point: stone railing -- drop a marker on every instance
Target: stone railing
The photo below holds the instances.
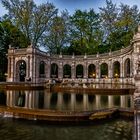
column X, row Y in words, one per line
column 41, row 52
column 122, row 51
column 20, row 51
column 104, row 55
column 96, row 56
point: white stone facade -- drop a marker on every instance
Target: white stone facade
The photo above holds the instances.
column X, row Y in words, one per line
column 32, row 57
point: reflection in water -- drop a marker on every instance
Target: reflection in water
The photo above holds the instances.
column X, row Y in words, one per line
column 2, row 98
column 18, row 130
column 21, row 99
column 112, row 130
column 100, row 86
column 44, row 99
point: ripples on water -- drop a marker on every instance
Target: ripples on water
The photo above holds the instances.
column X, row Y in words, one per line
column 28, row 130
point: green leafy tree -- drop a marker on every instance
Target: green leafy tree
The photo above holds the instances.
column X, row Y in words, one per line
column 108, row 15
column 58, row 35
column 86, row 32
column 9, row 35
column 127, row 22
column 31, row 19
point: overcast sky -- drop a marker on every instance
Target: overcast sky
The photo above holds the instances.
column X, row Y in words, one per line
column 72, row 5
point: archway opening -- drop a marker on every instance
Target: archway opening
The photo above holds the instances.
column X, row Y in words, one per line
column 127, row 68
column 54, row 70
column 91, row 71
column 116, row 69
column 79, row 71
column 42, row 69
column 104, row 70
column 21, row 70
column 67, row 71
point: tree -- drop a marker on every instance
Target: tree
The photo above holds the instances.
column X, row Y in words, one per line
column 9, row 35
column 58, row 35
column 128, row 18
column 31, row 19
column 119, row 24
column 126, row 23
column 108, row 16
column 85, row 32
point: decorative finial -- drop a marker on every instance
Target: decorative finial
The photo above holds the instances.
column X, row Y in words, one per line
column 85, row 55
column 10, row 46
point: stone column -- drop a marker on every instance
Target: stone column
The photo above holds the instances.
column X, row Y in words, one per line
column 60, row 70
column 73, row 70
column 110, row 69
column 9, row 67
column 34, row 68
column 85, row 71
column 13, row 70
column 131, row 67
column 97, row 70
column 28, row 67
column 31, row 68
column 48, row 69
column 121, row 69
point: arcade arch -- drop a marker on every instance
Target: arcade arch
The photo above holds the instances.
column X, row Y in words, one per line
column 127, row 68
column 79, row 71
column 104, row 70
column 54, row 70
column 91, row 71
column 66, row 71
column 20, row 70
column 42, row 69
column 116, row 69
